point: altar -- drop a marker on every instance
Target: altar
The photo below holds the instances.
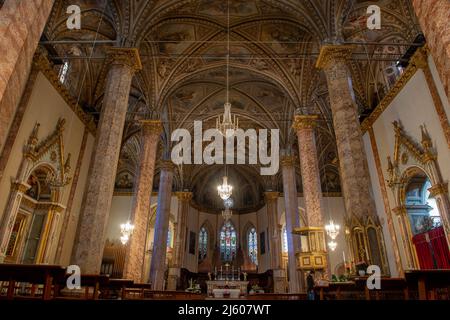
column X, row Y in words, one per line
column 220, row 286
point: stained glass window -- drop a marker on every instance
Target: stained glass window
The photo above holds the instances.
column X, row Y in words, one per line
column 227, row 242
column 253, row 245
column 285, row 245
column 202, row 243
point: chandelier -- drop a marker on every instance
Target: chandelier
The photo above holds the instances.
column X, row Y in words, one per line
column 332, row 229
column 227, row 124
column 224, row 190
column 226, row 214
column 126, row 229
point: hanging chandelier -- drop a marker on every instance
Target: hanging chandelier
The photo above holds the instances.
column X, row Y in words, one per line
column 226, row 214
column 228, row 203
column 227, row 124
column 332, row 229
column 224, row 190
column 126, row 229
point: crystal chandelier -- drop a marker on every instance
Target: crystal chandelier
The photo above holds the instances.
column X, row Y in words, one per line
column 332, row 229
column 226, row 214
column 126, row 229
column 224, row 190
column 227, row 124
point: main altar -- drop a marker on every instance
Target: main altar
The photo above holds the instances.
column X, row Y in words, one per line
column 227, row 283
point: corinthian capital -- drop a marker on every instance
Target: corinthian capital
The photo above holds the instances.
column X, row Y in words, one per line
column 124, row 56
column 151, row 127
column 305, row 121
column 330, row 54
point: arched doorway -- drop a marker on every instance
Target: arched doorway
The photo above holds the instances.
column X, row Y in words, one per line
column 425, row 222
column 35, row 227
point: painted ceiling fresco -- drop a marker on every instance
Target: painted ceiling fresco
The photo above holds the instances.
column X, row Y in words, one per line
column 274, row 45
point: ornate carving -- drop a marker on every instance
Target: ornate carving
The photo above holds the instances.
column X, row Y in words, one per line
column 271, row 195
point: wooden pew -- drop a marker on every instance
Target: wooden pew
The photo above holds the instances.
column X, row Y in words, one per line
column 88, row 282
column 136, row 291
column 117, row 288
column 338, row 291
column 429, row 283
column 390, row 289
column 172, row 295
column 35, row 275
column 277, row 296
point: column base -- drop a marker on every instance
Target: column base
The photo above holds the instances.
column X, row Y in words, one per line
column 172, row 279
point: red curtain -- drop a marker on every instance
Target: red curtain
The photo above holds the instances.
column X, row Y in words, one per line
column 432, row 249
column 440, row 247
column 423, row 251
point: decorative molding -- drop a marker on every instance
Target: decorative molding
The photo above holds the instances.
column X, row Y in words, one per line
column 271, row 195
column 47, row 69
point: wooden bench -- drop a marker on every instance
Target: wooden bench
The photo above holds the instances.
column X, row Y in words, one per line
column 172, row 295
column 390, row 289
column 277, row 296
column 430, row 284
column 339, row 291
column 88, row 283
column 117, row 288
column 34, row 275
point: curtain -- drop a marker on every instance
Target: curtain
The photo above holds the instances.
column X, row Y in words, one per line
column 440, row 247
column 423, row 251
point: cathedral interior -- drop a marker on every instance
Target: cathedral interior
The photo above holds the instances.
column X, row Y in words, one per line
column 99, row 98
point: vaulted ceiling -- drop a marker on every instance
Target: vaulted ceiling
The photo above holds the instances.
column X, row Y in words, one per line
column 274, row 45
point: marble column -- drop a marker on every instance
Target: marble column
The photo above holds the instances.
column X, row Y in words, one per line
column 184, row 199
column 22, row 23
column 279, row 274
column 134, row 259
column 123, row 63
column 292, row 220
column 158, row 263
column 354, row 171
column 312, row 190
column 434, row 17
column 309, row 166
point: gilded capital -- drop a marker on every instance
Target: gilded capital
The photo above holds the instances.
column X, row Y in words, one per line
column 305, row 122
column 438, row 189
column 288, row 161
column 400, row 210
column 271, row 195
column 124, row 56
column 184, row 195
column 151, row 127
column 330, row 54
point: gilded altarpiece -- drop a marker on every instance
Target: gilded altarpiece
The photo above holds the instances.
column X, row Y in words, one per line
column 31, row 221
column 409, row 159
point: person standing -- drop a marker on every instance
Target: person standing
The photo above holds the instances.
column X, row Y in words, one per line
column 310, row 285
